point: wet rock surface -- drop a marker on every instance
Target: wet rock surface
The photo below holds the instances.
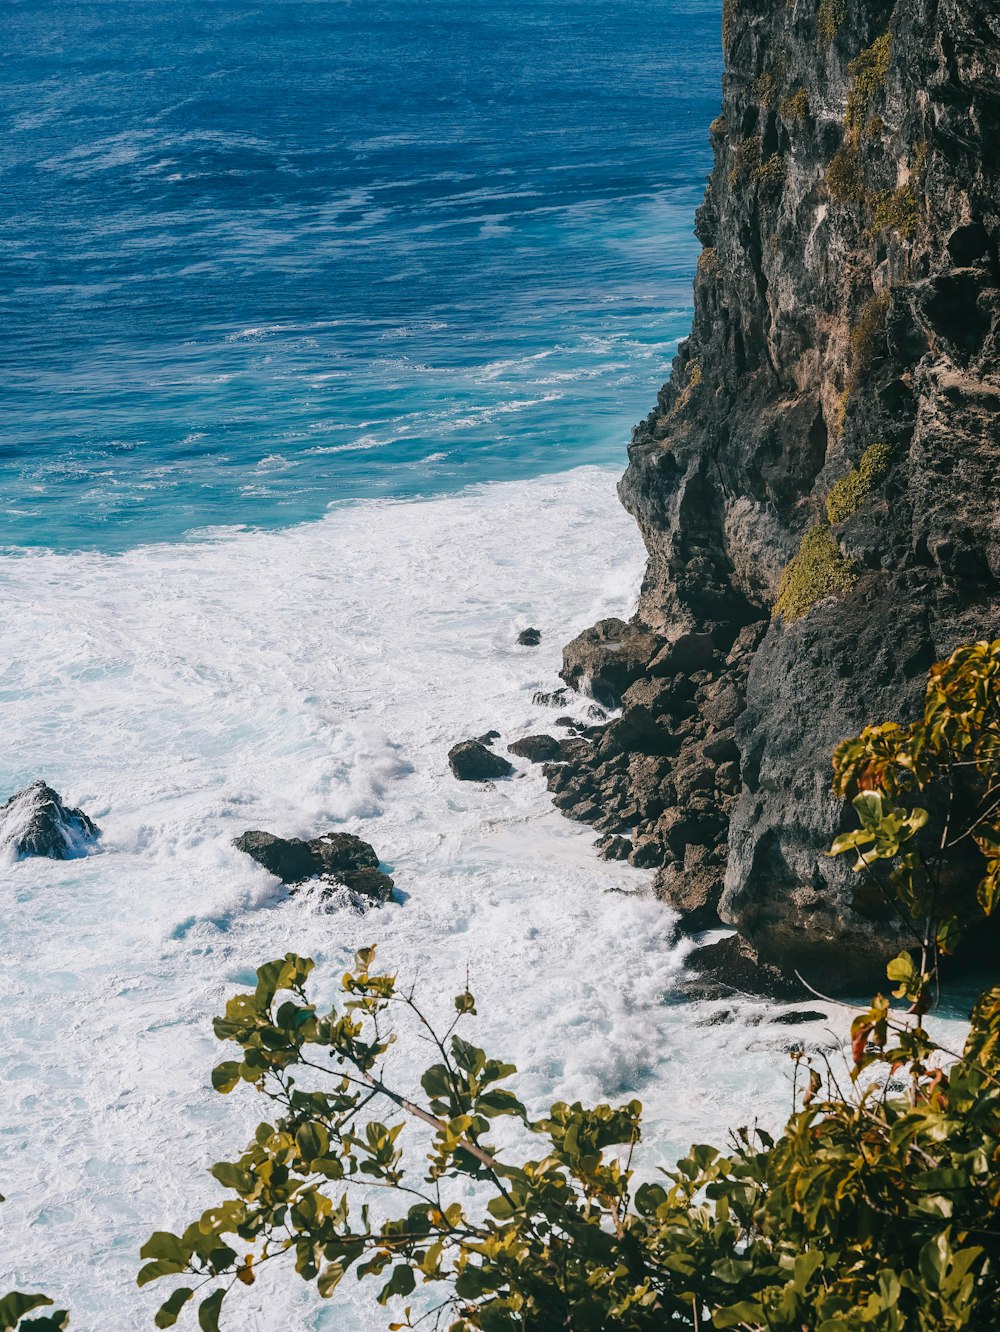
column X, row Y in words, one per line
column 847, row 299
column 529, row 637
column 339, row 860
column 36, row 822
column 471, row 761
column 535, row 748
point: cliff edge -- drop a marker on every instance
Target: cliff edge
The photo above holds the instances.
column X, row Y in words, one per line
column 817, row 484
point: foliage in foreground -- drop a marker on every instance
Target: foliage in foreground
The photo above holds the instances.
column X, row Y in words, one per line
column 875, row 1209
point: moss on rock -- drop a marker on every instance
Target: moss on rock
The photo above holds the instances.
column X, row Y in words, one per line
column 851, row 491
column 818, row 570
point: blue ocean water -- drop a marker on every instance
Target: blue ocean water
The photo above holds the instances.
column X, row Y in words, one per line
column 260, row 258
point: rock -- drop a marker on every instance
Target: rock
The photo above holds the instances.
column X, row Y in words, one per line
column 336, row 859
column 290, row 859
column 35, row 822
column 685, row 655
column 605, row 660
column 368, row 883
column 536, row 748
column 612, row 847
column 732, row 964
column 336, row 853
column 694, row 893
column 798, row 1016
column 556, row 698
column 488, row 738
column 529, row 637
column 840, row 304
column 471, row 761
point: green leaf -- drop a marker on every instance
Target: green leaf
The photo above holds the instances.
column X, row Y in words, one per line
column 160, row 1267
column 162, row 1244
column 747, row 1311
column 208, row 1311
column 329, row 1279
column 15, row 1304
column 168, row 1312
column 402, row 1282
column 225, row 1076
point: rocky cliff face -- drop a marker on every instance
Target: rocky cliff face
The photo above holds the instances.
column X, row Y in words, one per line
column 817, row 484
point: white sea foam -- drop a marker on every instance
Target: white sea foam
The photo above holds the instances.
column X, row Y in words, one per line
column 296, row 681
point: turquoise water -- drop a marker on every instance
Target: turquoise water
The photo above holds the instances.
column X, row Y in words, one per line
column 261, row 258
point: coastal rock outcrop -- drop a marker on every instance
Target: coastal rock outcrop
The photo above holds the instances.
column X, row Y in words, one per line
column 337, row 859
column 529, row 637
column 36, row 822
column 817, row 484
column 471, row 761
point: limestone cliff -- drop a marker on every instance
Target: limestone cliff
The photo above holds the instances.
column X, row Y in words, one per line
column 817, row 484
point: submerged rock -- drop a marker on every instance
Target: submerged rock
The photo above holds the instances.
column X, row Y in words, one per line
column 35, row 822
column 529, row 637
column 336, row 859
column 471, row 761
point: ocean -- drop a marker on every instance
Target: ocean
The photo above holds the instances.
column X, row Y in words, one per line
column 325, row 324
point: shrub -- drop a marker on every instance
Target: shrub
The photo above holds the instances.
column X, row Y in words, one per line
column 850, row 492
column 869, row 71
column 795, row 106
column 818, row 570
column 872, row 1210
column 867, row 338
column 770, row 174
column 898, row 210
column 746, row 159
column 845, row 176
column 829, row 16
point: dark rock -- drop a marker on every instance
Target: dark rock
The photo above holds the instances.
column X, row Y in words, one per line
column 536, row 748
column 612, row 847
column 289, row 859
column 734, row 965
column 694, row 893
column 721, row 747
column 488, row 738
column 568, row 722
column 798, row 1016
column 605, row 660
column 334, row 853
column 471, row 761
column 685, row 655
column 816, row 334
column 336, row 859
column 35, row 822
column 367, row 883
column 529, row 637
column 555, row 698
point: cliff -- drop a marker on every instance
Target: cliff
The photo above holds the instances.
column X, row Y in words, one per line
column 817, row 484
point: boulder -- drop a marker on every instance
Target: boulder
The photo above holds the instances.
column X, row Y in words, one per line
column 336, row 859
column 694, row 893
column 536, row 748
column 529, row 637
column 612, row 847
column 35, row 822
column 733, row 964
column 488, row 738
column 289, row 859
column 605, row 660
column 471, row 761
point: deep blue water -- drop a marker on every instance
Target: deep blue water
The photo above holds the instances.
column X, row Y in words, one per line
column 258, row 258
